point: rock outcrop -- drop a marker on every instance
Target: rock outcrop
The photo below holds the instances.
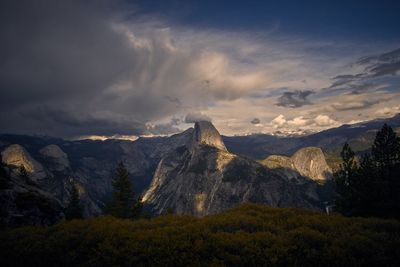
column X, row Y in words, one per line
column 15, row 155
column 23, row 202
column 90, row 164
column 209, row 179
column 308, row 162
column 56, row 157
column 206, row 134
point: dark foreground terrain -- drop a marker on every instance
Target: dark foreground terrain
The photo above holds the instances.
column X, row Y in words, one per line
column 250, row 235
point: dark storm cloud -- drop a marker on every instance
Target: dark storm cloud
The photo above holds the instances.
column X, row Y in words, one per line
column 60, row 54
column 255, row 121
column 68, row 67
column 56, row 48
column 195, row 117
column 56, row 122
column 295, row 99
column 164, row 128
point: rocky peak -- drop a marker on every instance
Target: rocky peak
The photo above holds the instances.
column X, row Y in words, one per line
column 16, row 155
column 56, row 156
column 205, row 133
column 309, row 162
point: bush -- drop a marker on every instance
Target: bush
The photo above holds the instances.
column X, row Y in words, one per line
column 250, row 235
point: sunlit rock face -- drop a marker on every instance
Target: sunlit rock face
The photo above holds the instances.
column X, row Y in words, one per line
column 206, row 134
column 308, row 162
column 281, row 164
column 57, row 158
column 208, row 179
column 15, row 155
column 23, row 202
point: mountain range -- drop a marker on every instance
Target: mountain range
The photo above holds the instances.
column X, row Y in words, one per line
column 196, row 172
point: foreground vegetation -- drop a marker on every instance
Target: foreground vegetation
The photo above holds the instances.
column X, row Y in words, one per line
column 250, row 235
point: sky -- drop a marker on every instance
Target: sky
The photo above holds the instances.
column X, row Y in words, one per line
column 121, row 69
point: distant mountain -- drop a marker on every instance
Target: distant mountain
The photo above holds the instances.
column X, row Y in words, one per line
column 360, row 137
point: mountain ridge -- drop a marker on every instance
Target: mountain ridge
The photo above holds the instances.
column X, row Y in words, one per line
column 91, row 163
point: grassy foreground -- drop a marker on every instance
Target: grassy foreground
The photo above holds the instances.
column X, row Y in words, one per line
column 250, row 235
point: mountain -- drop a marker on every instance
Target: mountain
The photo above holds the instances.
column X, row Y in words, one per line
column 308, row 162
column 23, row 202
column 202, row 177
column 206, row 134
column 52, row 162
column 360, row 136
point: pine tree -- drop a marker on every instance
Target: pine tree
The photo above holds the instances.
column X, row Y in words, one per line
column 386, row 181
column 123, row 204
column 386, row 148
column 346, row 181
column 349, row 162
column 74, row 208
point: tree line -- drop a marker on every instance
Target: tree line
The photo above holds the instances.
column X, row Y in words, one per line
column 370, row 185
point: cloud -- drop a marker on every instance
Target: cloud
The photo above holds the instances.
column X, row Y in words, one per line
column 85, row 68
column 163, row 128
column 353, row 105
column 321, row 121
column 364, row 87
column 279, row 121
column 294, row 99
column 255, row 121
column 391, row 56
column 196, row 117
column 282, row 122
column 88, row 59
column 372, row 67
column 324, row 120
column 382, row 69
column 299, row 122
column 388, row 111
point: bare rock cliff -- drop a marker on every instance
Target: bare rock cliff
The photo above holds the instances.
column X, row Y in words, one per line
column 308, row 162
column 15, row 155
column 204, row 178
